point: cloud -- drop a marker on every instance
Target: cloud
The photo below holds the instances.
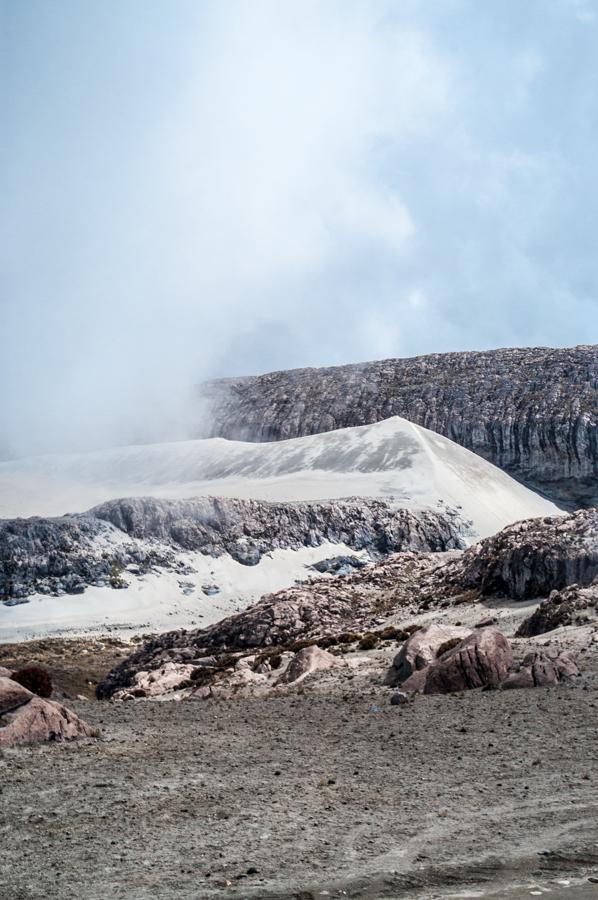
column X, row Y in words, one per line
column 207, row 189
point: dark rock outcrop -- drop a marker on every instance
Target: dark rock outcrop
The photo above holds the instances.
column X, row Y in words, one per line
column 573, row 605
column 533, row 557
column 531, row 411
column 246, row 529
column 64, row 555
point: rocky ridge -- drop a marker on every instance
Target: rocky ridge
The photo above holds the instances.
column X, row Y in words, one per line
column 64, row 555
column 561, row 550
column 531, row 411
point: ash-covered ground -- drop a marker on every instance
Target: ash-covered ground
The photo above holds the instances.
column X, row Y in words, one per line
column 327, row 788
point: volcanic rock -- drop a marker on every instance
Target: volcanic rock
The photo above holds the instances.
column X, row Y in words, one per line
column 306, row 661
column 573, row 605
column 41, row 555
column 420, row 650
column 12, row 695
column 481, row 659
column 26, row 718
column 533, row 557
column 541, row 668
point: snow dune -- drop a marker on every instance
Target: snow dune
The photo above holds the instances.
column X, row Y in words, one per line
column 394, row 459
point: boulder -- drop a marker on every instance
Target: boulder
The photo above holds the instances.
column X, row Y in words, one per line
column 481, row 659
column 26, row 718
column 420, row 650
column 5, row 673
column 542, row 668
column 12, row 695
column 573, row 605
column 306, row 661
column 41, row 720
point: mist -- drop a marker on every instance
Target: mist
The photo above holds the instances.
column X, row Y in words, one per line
column 202, row 190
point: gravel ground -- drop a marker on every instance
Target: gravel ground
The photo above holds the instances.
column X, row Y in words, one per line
column 325, row 789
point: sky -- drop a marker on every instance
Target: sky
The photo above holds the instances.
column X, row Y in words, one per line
column 192, row 189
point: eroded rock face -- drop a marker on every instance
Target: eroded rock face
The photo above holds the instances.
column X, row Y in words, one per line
column 531, row 411
column 533, row 557
column 481, row 659
column 420, row 650
column 26, row 718
column 65, row 555
column 573, row 605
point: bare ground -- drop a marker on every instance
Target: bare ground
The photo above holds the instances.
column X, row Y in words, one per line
column 328, row 789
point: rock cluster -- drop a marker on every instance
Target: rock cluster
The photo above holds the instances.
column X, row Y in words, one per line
column 422, row 649
column 310, row 612
column 483, row 659
column 64, row 555
column 26, row 718
column 531, row 411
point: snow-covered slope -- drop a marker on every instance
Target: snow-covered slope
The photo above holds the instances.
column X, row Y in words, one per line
column 391, row 459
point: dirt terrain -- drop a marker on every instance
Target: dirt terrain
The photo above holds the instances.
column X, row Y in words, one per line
column 327, row 788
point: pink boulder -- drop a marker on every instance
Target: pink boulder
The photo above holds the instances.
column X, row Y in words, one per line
column 12, row 695
column 26, row 719
column 420, row 650
column 481, row 659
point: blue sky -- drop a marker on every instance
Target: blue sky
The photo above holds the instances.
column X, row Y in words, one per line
column 210, row 188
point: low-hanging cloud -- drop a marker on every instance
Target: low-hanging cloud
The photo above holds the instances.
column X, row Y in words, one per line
column 206, row 189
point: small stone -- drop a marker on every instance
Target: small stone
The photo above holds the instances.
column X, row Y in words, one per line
column 399, row 698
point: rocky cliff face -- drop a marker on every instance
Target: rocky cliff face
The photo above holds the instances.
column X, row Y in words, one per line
column 532, row 558
column 66, row 554
column 533, row 412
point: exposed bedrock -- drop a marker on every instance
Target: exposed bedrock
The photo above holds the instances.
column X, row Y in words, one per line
column 65, row 554
column 246, row 529
column 531, row 411
column 574, row 605
column 533, row 557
